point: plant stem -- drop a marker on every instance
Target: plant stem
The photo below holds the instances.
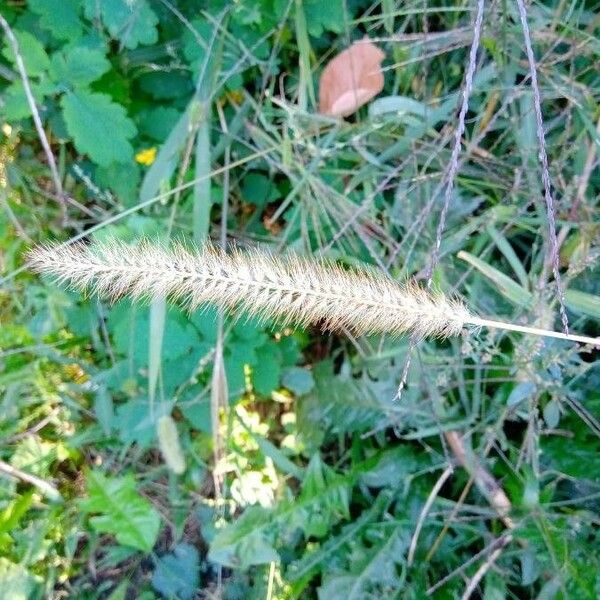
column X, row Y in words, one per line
column 583, row 339
column 34, row 112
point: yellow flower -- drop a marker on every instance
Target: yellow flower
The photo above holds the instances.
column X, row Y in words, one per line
column 146, row 157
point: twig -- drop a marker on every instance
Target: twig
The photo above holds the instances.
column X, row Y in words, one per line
column 537, row 105
column 426, row 507
column 46, row 488
column 34, row 111
column 485, row 566
column 489, row 548
column 486, row 484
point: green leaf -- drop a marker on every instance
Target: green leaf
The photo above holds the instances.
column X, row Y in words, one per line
column 122, row 179
column 123, row 512
column 251, row 539
column 258, row 189
column 298, row 380
column 158, row 122
column 100, row 128
column 78, row 65
column 372, row 570
column 520, row 392
column 132, row 22
column 503, row 283
column 16, row 105
column 176, row 574
column 32, row 52
column 582, row 302
column 267, row 371
column 324, row 16
column 59, row 17
column 16, row 582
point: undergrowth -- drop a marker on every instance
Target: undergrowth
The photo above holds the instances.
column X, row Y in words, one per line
column 304, row 474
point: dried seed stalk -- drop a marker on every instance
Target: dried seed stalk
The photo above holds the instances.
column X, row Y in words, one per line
column 291, row 288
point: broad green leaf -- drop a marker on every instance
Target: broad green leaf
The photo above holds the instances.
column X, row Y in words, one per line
column 298, row 380
column 157, row 122
column 258, row 189
column 122, row 179
column 16, row 105
column 121, row 511
column 176, row 575
column 32, row 52
column 324, row 16
column 16, row 582
column 520, row 392
column 59, row 17
column 495, row 587
column 266, row 372
column 132, row 22
column 78, row 65
column 100, row 128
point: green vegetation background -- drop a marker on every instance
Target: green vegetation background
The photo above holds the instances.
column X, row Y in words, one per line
column 193, row 119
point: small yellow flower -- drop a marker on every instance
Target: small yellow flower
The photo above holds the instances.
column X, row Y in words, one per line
column 146, row 157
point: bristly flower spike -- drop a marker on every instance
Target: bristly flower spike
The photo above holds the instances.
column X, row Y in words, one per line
column 290, row 288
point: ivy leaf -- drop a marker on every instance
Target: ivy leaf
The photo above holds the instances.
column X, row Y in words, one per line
column 123, row 512
column 99, row 127
column 32, row 51
column 132, row 23
column 60, row 17
column 78, row 65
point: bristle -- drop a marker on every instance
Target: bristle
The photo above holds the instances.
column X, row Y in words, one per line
column 290, row 288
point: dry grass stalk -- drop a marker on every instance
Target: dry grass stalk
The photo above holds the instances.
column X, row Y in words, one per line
column 293, row 289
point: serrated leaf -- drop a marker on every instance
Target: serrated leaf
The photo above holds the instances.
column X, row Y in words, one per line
column 100, row 128
column 122, row 511
column 132, row 22
column 15, row 105
column 250, row 540
column 59, row 17
column 373, row 571
column 324, row 16
column 32, row 52
column 78, row 65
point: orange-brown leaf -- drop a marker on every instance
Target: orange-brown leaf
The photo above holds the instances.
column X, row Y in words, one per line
column 351, row 79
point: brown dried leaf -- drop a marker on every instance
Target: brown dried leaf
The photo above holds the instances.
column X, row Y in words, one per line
column 351, row 79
